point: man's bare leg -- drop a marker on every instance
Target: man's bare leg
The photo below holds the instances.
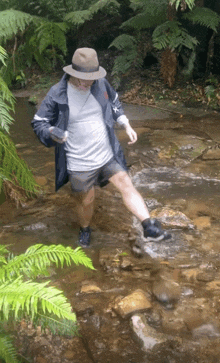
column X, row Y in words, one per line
column 131, row 197
column 84, row 207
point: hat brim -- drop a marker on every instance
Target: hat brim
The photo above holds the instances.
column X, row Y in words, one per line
column 85, row 75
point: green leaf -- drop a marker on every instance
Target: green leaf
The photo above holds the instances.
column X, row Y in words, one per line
column 124, row 41
column 12, row 21
column 7, row 350
column 170, row 34
column 205, row 17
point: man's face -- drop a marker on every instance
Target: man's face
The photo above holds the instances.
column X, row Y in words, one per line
column 82, row 83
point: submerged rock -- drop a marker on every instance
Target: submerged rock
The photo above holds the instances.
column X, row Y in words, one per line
column 172, row 218
column 166, row 291
column 35, row 226
column 137, row 301
column 212, row 154
column 147, row 336
column 206, row 330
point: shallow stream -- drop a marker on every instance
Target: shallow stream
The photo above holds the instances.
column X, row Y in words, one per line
column 175, row 166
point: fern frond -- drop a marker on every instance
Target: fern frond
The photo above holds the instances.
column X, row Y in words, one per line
column 3, row 55
column 29, row 297
column 12, row 165
column 12, row 21
column 7, row 350
column 5, row 118
column 79, row 17
column 177, row 3
column 49, row 33
column 205, row 17
column 38, row 257
column 154, row 13
column 170, row 34
column 102, row 5
column 123, row 41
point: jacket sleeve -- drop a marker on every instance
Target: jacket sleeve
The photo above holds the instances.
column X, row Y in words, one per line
column 117, row 110
column 45, row 117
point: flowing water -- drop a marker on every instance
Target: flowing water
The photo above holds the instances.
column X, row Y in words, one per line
column 169, row 168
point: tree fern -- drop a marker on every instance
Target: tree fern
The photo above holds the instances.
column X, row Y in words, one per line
column 11, row 22
column 170, row 34
column 205, row 17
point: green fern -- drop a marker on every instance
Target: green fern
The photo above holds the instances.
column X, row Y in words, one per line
column 12, row 21
column 38, row 257
column 7, row 350
column 170, row 34
column 177, row 3
column 78, row 17
column 124, row 41
column 153, row 12
column 14, row 168
column 51, row 34
column 205, row 17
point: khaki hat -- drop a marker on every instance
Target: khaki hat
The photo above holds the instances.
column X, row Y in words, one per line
column 85, row 65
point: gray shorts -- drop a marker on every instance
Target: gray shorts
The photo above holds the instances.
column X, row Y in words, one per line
column 82, row 181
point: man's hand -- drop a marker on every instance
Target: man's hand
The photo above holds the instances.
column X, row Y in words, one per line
column 58, row 135
column 131, row 133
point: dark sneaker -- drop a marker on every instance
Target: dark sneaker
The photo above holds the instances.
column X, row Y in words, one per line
column 84, row 237
column 153, row 231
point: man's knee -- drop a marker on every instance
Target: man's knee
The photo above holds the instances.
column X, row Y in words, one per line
column 84, row 198
column 122, row 181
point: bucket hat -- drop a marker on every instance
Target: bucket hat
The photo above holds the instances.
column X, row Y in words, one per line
column 85, row 65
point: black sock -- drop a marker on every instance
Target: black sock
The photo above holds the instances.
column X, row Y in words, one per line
column 145, row 222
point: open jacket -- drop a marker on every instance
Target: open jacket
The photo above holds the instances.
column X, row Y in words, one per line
column 54, row 111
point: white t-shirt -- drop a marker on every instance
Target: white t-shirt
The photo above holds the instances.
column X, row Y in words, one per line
column 87, row 146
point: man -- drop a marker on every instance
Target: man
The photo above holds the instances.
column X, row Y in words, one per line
column 77, row 117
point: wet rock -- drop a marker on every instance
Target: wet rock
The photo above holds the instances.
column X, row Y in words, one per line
column 126, row 263
column 89, row 289
column 135, row 302
column 205, row 276
column 202, row 222
column 166, row 291
column 191, row 274
column 206, row 330
column 41, row 180
column 187, row 292
column 109, row 259
column 172, row 218
column 147, row 336
column 213, row 285
column 35, row 226
column 212, row 154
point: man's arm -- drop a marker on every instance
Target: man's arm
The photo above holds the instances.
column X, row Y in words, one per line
column 45, row 117
column 118, row 114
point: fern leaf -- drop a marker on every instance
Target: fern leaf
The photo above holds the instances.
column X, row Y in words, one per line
column 205, row 17
column 170, row 34
column 7, row 350
column 3, row 55
column 123, row 41
column 12, row 21
column 177, row 3
column 49, row 33
column 78, row 18
column 39, row 257
column 154, row 13
column 12, row 165
column 5, row 118
column 24, row 296
column 102, row 5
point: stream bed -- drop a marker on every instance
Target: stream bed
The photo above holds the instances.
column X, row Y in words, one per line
column 145, row 302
